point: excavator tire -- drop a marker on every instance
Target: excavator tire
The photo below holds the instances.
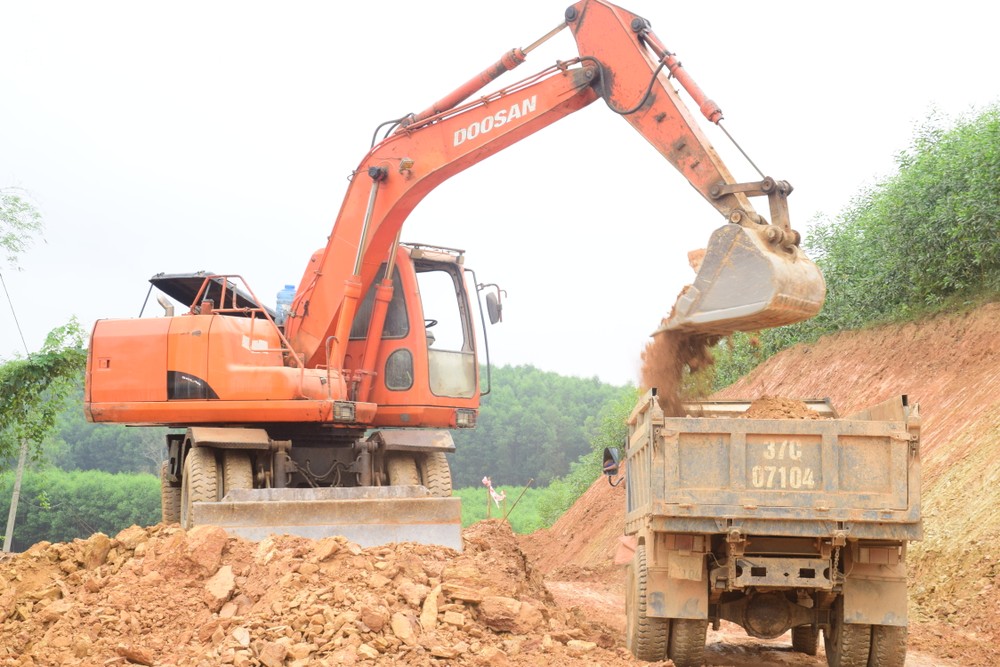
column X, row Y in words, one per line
column 200, row 482
column 888, row 646
column 435, row 473
column 237, row 471
column 687, row 642
column 170, row 497
column 805, row 639
column 402, row 469
column 645, row 637
column 847, row 644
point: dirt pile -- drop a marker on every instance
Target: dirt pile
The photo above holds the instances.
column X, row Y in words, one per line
column 778, row 407
column 165, row 596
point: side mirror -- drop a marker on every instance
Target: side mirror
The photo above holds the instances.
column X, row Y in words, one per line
column 612, row 457
column 493, row 307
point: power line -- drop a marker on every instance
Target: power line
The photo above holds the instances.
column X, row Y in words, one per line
column 14, row 314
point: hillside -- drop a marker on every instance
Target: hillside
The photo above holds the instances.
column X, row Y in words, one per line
column 950, row 365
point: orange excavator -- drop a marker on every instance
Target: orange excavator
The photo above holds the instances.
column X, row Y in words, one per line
column 333, row 415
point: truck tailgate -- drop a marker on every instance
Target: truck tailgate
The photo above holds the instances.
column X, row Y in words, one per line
column 810, row 477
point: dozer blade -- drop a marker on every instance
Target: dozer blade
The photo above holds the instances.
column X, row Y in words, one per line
column 747, row 284
column 369, row 516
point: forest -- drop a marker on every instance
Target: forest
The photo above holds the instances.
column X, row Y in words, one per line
column 925, row 239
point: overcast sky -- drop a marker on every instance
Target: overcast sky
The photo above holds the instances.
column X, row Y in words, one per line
column 185, row 136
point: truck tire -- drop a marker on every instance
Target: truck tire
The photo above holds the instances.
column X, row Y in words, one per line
column 237, row 471
column 847, row 644
column 170, row 497
column 435, row 473
column 805, row 639
column 402, row 470
column 687, row 641
column 888, row 646
column 645, row 636
column 200, row 482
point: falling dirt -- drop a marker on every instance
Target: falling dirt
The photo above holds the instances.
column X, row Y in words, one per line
column 664, row 361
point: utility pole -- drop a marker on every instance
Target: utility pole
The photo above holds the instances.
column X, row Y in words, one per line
column 9, row 536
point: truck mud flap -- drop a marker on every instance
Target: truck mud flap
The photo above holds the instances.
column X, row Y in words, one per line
column 368, row 516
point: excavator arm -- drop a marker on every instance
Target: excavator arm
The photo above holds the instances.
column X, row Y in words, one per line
column 753, row 274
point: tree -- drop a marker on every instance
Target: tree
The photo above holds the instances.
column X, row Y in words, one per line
column 35, row 388
column 19, row 221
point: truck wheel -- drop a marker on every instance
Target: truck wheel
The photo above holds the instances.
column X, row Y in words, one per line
column 200, row 482
column 402, row 470
column 847, row 644
column 237, row 471
column 435, row 473
column 805, row 639
column 645, row 636
column 687, row 642
column 170, row 497
column 888, row 646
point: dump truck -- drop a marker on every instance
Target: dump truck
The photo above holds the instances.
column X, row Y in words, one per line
column 771, row 524
column 333, row 413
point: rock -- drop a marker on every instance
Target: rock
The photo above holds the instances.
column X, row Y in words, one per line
column 219, row 588
column 328, row 547
column 135, row 654
column 454, row 618
column 132, row 537
column 242, row 636
column 95, row 551
column 204, row 547
column 428, row 615
column 367, row 652
column 414, row 594
column 402, row 628
column 373, row 619
column 273, row 654
column 577, row 647
column 500, row 613
column 301, row 651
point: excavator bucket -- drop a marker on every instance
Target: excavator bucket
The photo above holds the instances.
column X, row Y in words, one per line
column 745, row 283
column 368, row 516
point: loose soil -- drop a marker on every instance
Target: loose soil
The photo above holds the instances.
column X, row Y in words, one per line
column 165, row 596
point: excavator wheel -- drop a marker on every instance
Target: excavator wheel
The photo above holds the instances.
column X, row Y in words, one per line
column 200, row 482
column 402, row 469
column 170, row 497
column 435, row 473
column 646, row 637
column 237, row 471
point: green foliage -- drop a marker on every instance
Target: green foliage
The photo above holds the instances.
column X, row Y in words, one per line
column 34, row 388
column 19, row 220
column 60, row 506
column 920, row 241
column 533, row 425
